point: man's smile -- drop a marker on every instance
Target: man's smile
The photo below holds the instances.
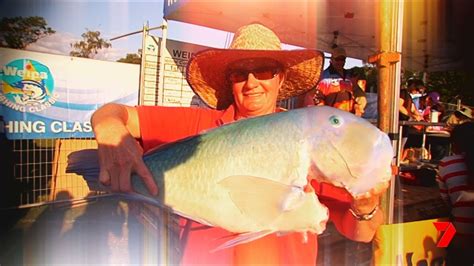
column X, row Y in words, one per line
column 253, row 93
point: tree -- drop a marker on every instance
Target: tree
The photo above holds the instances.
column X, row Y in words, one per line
column 18, row 32
column 452, row 85
column 90, row 45
column 131, row 58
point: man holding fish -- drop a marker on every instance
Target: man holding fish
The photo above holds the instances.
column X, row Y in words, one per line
column 239, row 83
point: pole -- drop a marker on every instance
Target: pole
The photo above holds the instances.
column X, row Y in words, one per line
column 142, row 65
column 161, row 61
column 388, row 64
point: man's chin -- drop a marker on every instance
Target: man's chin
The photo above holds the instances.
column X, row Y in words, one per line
column 257, row 109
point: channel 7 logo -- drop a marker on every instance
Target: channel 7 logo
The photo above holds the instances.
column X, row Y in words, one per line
column 448, row 235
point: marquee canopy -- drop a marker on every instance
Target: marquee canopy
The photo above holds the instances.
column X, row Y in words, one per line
column 429, row 26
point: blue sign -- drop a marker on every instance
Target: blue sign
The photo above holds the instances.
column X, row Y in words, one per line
column 54, row 96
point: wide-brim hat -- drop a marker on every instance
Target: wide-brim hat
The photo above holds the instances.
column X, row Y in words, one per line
column 206, row 71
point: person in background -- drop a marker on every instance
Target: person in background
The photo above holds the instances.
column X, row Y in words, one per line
column 243, row 81
column 464, row 114
column 359, row 82
column 333, row 92
column 416, row 88
column 407, row 112
column 336, row 69
column 456, row 183
column 433, row 111
column 432, row 108
column 340, row 88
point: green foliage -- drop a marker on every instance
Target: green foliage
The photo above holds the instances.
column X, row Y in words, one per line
column 131, row 58
column 90, row 45
column 451, row 85
column 19, row 32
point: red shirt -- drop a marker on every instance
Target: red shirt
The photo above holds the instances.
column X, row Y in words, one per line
column 161, row 125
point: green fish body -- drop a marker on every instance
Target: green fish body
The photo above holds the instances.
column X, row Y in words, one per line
column 249, row 176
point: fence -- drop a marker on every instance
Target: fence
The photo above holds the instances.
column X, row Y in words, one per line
column 34, row 172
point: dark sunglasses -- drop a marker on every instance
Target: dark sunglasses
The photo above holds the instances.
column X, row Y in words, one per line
column 263, row 73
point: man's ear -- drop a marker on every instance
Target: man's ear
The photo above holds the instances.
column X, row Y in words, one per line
column 282, row 76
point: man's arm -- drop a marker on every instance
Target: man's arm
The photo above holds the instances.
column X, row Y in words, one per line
column 116, row 128
column 346, row 221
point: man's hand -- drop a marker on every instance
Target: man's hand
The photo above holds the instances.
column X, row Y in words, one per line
column 367, row 202
column 119, row 161
column 120, row 154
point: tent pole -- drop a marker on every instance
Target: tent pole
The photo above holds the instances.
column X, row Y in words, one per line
column 389, row 67
column 161, row 61
column 142, row 65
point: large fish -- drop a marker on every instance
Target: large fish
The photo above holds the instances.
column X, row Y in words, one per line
column 250, row 176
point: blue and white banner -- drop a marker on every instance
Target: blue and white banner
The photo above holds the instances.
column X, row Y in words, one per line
column 53, row 96
column 170, row 6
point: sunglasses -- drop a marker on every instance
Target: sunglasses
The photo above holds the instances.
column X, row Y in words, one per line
column 263, row 73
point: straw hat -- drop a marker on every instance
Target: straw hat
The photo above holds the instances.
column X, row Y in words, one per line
column 206, row 71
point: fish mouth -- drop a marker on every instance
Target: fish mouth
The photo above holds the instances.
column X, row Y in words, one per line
column 314, row 173
column 342, row 168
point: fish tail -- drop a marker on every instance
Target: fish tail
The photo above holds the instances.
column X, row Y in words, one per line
column 86, row 164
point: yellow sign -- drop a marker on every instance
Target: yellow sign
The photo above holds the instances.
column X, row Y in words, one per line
column 412, row 243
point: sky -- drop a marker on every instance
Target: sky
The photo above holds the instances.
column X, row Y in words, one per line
column 71, row 18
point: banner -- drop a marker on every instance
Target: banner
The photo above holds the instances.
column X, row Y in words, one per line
column 52, row 96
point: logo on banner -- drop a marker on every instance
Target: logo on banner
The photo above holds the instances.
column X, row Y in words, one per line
column 27, row 86
column 448, row 235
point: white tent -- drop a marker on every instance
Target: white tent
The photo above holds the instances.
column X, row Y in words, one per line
column 428, row 39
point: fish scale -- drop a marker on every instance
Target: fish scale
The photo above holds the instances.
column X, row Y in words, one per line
column 222, row 158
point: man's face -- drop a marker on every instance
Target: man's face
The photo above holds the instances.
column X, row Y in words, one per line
column 255, row 85
column 338, row 62
column 413, row 90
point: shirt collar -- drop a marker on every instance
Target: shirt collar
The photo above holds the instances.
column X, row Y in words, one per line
column 228, row 115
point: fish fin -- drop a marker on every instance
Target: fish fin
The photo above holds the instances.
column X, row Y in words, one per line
column 304, row 235
column 280, row 234
column 242, row 238
column 201, row 221
column 141, row 198
column 294, row 199
column 261, row 199
column 86, row 163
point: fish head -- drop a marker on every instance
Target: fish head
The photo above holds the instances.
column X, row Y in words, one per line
column 347, row 151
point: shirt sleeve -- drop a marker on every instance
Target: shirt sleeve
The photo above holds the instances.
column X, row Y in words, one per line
column 443, row 189
column 159, row 124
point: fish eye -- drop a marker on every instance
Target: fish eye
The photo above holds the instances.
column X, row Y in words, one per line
column 335, row 120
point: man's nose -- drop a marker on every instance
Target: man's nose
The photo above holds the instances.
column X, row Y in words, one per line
column 252, row 81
